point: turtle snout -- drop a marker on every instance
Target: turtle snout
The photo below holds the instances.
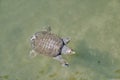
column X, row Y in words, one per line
column 72, row 51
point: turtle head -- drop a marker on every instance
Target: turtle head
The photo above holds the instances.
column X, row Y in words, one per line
column 70, row 51
column 67, row 50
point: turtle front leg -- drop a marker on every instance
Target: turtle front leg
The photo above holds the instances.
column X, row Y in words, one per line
column 61, row 60
column 66, row 40
column 47, row 28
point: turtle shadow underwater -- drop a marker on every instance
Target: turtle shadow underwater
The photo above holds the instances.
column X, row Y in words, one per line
column 98, row 61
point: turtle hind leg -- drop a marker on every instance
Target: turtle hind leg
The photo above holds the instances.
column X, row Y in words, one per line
column 61, row 60
column 32, row 54
column 66, row 40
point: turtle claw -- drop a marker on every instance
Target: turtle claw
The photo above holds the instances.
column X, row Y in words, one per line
column 62, row 61
column 65, row 65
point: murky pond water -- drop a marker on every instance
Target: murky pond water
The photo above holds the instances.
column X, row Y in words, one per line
column 92, row 25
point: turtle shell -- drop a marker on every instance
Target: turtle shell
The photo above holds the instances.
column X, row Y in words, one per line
column 47, row 43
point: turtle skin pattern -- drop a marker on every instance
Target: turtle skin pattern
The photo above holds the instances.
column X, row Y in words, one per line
column 47, row 43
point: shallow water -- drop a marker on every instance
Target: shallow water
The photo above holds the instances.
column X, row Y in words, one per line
column 92, row 25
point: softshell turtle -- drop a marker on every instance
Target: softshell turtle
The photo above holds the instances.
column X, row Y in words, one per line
column 47, row 43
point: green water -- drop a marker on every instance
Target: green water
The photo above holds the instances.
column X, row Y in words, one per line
column 93, row 25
